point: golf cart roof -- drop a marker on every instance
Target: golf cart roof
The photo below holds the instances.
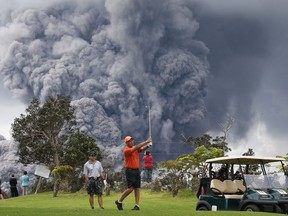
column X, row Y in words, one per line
column 244, row 160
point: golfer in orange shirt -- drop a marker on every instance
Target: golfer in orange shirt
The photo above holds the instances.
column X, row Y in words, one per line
column 132, row 172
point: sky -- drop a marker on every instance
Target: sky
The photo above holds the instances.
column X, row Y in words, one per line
column 10, row 109
column 195, row 63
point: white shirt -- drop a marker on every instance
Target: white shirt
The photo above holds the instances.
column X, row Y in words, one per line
column 93, row 169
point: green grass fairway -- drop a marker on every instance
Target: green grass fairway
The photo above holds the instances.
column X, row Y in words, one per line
column 68, row 204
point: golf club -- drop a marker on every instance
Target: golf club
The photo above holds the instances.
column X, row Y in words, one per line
column 150, row 133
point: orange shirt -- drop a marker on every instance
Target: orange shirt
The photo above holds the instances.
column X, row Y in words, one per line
column 131, row 159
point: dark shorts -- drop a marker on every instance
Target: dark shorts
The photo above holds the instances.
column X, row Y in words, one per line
column 94, row 186
column 133, row 178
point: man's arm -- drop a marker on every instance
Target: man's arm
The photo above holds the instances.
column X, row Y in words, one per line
column 143, row 148
column 101, row 171
column 86, row 177
column 102, row 175
column 86, row 174
column 140, row 146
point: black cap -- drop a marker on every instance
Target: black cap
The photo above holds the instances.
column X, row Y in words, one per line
column 92, row 154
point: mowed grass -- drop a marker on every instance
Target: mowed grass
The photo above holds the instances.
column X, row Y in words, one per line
column 72, row 204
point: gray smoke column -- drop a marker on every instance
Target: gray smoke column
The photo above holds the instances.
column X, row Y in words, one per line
column 113, row 58
column 9, row 166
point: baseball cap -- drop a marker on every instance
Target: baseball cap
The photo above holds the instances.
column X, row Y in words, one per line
column 92, row 154
column 128, row 138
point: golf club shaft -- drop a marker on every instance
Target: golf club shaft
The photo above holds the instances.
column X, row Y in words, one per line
column 150, row 133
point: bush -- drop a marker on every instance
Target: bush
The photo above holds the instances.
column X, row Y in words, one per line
column 195, row 184
column 156, row 185
column 117, row 181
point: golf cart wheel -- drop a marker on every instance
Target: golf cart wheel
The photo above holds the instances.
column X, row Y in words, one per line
column 252, row 207
column 203, row 208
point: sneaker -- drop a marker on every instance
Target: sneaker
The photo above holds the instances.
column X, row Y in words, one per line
column 119, row 205
column 136, row 208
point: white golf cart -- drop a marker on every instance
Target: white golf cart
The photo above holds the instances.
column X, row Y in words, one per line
column 243, row 183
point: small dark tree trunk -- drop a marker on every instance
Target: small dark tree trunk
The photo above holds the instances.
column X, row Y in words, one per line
column 56, row 186
column 175, row 191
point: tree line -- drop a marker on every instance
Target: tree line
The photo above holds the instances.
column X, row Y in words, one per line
column 48, row 134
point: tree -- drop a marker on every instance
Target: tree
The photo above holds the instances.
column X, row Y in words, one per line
column 254, row 167
column 76, row 147
column 225, row 129
column 285, row 165
column 174, row 173
column 209, row 142
column 49, row 135
column 219, row 142
column 184, row 165
column 250, row 152
column 204, row 140
column 39, row 132
column 197, row 159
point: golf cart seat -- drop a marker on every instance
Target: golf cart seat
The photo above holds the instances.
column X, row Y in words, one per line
column 227, row 188
column 231, row 190
column 240, row 186
column 217, row 186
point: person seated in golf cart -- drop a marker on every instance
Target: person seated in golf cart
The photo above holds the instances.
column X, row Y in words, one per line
column 221, row 173
column 237, row 175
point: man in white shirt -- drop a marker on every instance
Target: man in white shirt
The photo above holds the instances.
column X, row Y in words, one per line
column 94, row 175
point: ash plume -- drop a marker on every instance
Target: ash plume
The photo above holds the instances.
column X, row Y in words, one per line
column 113, row 58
